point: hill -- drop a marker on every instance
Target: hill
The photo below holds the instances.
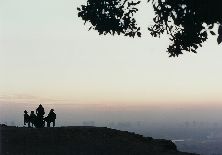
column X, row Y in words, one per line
column 81, row 141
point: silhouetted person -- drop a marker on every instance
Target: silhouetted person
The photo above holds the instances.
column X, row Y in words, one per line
column 32, row 118
column 26, row 118
column 40, row 111
column 40, row 117
column 51, row 118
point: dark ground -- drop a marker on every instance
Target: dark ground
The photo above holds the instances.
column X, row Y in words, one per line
column 80, row 141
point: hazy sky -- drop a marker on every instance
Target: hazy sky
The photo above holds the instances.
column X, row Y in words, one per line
column 48, row 56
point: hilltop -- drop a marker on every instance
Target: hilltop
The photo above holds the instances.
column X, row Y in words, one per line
column 81, row 141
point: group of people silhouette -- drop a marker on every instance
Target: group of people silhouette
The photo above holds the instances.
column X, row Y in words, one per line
column 38, row 120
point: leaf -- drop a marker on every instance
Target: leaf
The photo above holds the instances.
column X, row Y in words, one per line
column 211, row 26
column 219, row 39
column 195, row 46
column 220, row 30
column 213, row 33
column 138, row 34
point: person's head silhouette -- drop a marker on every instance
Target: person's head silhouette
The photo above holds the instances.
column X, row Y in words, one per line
column 40, row 110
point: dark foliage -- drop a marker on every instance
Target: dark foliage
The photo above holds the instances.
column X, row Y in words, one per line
column 111, row 16
column 188, row 22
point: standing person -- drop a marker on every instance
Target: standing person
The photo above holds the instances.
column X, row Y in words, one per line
column 40, row 123
column 33, row 118
column 40, row 111
column 51, row 118
column 26, row 118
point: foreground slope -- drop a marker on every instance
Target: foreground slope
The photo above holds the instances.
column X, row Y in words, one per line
column 80, row 141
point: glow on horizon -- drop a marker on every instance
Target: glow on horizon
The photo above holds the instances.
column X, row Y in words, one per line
column 50, row 56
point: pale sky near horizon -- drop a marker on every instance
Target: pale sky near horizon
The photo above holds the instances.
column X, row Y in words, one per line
column 47, row 55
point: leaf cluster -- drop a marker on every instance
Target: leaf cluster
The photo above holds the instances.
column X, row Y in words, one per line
column 111, row 16
column 188, row 22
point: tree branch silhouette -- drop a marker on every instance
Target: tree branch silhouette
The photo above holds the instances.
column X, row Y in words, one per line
column 111, row 16
column 188, row 22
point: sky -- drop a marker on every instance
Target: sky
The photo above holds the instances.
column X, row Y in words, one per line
column 48, row 56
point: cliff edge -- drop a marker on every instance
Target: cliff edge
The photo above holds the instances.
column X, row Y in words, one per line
column 80, row 141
